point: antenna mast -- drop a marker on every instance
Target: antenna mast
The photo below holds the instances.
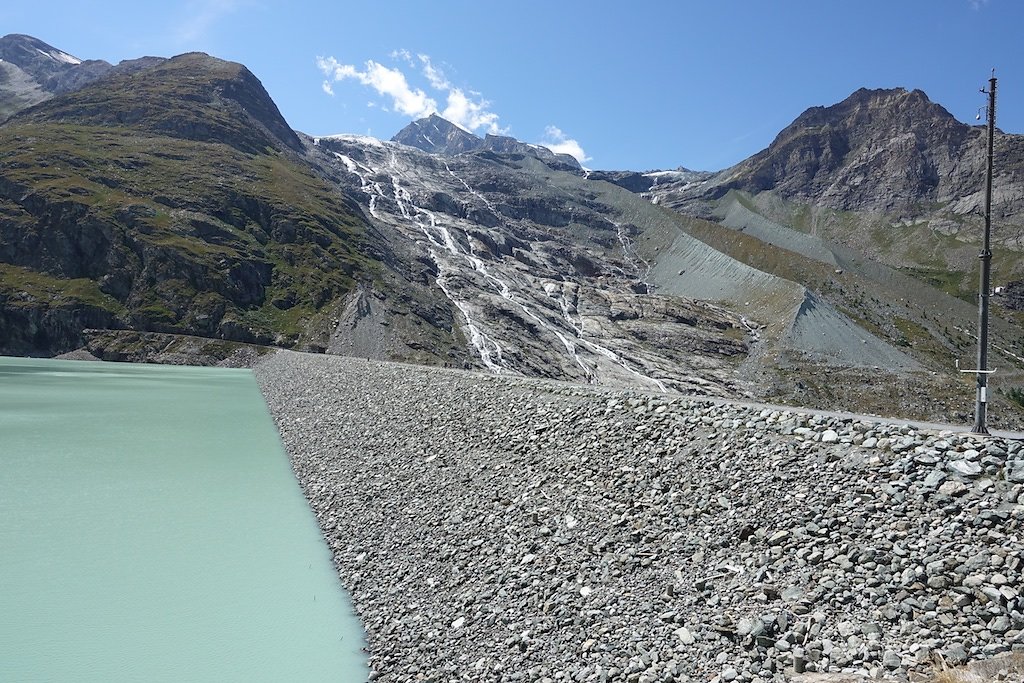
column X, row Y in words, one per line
column 986, row 269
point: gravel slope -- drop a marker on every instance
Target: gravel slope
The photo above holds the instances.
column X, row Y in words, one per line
column 494, row 529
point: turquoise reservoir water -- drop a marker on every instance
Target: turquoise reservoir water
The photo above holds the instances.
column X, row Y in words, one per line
column 151, row 529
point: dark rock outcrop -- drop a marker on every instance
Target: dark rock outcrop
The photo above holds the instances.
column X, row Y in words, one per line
column 1012, row 295
column 634, row 181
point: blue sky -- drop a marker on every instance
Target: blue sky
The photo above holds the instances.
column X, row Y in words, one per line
column 640, row 86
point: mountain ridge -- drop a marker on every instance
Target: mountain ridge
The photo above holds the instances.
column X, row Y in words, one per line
column 877, row 150
column 32, row 71
column 193, row 96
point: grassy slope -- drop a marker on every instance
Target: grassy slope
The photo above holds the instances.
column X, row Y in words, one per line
column 194, row 228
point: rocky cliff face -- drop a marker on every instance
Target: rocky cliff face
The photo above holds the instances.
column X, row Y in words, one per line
column 540, row 271
column 877, row 149
column 882, row 151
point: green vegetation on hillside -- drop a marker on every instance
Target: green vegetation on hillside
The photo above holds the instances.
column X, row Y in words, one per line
column 177, row 235
column 192, row 96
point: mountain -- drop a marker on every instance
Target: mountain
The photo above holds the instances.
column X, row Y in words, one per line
column 538, row 267
column 875, row 150
column 170, row 199
column 32, row 71
column 883, row 151
column 192, row 96
column 437, row 135
column 880, row 151
column 887, row 173
column 55, row 71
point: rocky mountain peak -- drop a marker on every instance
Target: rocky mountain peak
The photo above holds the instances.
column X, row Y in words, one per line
column 876, row 150
column 27, row 52
column 437, row 135
column 868, row 112
column 32, row 71
column 54, row 70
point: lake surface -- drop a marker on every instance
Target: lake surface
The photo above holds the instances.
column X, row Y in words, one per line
column 151, row 529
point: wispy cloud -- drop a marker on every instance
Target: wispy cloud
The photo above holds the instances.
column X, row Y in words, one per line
column 560, row 143
column 436, row 77
column 390, row 83
column 402, row 55
column 201, row 16
column 977, row 4
column 465, row 108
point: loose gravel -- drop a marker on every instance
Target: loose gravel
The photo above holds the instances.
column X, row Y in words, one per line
column 504, row 529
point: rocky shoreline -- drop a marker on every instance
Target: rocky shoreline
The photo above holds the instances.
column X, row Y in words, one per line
column 504, row 529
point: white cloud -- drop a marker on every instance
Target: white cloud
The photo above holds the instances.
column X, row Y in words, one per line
column 437, row 79
column 403, row 55
column 471, row 115
column 387, row 82
column 559, row 143
column 977, row 4
column 465, row 108
column 326, row 85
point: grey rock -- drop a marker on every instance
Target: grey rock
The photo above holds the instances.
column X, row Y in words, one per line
column 966, row 468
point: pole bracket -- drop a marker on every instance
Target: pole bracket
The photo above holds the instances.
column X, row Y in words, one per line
column 974, row 372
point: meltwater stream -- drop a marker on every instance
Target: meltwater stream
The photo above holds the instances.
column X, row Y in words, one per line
column 151, row 529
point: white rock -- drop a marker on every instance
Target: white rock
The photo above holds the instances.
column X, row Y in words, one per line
column 685, row 637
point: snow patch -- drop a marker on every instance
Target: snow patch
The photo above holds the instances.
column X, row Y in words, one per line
column 349, row 137
column 58, row 56
column 671, row 175
column 349, row 164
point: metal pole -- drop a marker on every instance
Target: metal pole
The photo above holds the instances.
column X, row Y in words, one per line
column 986, row 268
